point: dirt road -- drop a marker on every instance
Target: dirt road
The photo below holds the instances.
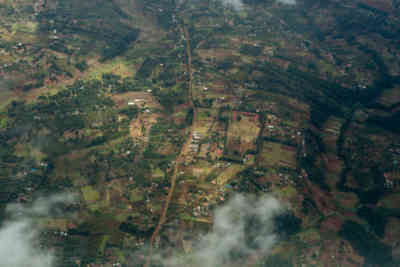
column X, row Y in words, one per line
column 181, row 157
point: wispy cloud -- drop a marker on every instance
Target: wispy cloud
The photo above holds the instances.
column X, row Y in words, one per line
column 18, row 248
column 19, row 234
column 244, row 227
column 288, row 2
column 238, row 4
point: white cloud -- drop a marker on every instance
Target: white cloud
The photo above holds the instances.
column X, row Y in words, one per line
column 238, row 4
column 244, row 226
column 18, row 248
column 288, row 2
column 19, row 235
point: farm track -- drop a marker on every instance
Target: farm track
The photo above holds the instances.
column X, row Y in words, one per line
column 181, row 157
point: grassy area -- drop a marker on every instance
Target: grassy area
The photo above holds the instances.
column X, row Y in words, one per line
column 187, row 217
column 273, row 153
column 103, row 244
column 202, row 169
column 308, row 235
column 203, row 127
column 390, row 97
column 288, row 192
column 60, row 224
column 205, row 114
column 391, row 201
column 117, row 66
column 157, row 173
column 89, row 194
column 27, row 150
column 136, row 195
column 5, row 98
column 229, row 173
column 25, row 27
column 245, row 127
column 242, row 133
column 98, row 205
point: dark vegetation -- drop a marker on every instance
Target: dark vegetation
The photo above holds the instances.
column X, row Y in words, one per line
column 365, row 243
column 287, row 224
column 315, row 147
column 276, row 261
column 97, row 22
column 251, row 50
column 168, row 98
column 247, row 181
column 376, row 219
column 133, row 230
column 388, row 123
column 146, row 69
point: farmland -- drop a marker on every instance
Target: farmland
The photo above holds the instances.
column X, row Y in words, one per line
column 157, row 114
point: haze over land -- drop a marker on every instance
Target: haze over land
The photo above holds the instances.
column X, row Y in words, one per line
column 244, row 226
column 238, row 4
column 20, row 232
column 200, row 133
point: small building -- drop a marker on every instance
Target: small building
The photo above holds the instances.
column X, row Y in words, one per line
column 194, row 147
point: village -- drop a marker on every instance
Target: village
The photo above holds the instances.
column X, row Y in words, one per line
column 157, row 118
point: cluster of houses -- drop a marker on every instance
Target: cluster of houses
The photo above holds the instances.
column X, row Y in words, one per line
column 388, row 184
column 138, row 101
column 275, row 129
column 395, row 150
column 139, row 242
column 221, row 194
column 39, row 6
column 286, row 179
column 392, row 180
column 200, row 211
column 223, row 164
column 194, row 145
column 203, row 210
column 60, row 233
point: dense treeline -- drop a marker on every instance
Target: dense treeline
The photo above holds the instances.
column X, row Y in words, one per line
column 327, row 97
column 315, row 147
column 388, row 123
column 100, row 21
column 375, row 252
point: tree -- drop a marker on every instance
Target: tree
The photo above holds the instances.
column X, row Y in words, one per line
column 275, row 261
column 287, row 224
